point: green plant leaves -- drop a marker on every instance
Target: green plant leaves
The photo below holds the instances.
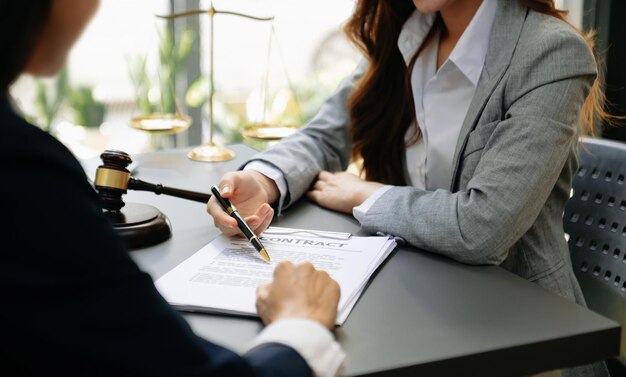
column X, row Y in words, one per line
column 87, row 111
column 198, row 92
column 48, row 101
column 173, row 56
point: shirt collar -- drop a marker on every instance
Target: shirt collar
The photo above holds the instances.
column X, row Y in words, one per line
column 413, row 32
column 470, row 51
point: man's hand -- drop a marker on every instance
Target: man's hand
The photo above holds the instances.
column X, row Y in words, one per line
column 299, row 291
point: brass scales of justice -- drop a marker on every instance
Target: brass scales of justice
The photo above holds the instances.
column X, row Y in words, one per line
column 174, row 123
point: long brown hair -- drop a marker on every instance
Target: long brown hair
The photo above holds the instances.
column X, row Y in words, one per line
column 381, row 106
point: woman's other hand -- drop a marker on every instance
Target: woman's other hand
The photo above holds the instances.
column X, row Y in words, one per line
column 251, row 193
column 341, row 191
column 299, row 291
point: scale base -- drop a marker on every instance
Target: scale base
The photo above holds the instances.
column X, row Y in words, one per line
column 140, row 225
column 211, row 153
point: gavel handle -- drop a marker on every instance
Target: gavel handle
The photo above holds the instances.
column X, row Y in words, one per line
column 139, row 185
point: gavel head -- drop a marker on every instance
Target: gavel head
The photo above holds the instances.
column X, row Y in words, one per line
column 112, row 179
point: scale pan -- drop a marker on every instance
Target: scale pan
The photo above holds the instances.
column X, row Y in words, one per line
column 161, row 123
column 268, row 132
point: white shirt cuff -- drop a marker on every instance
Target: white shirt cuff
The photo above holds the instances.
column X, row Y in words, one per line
column 360, row 211
column 311, row 340
column 274, row 174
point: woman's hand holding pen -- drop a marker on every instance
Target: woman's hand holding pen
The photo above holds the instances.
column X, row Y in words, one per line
column 341, row 191
column 249, row 191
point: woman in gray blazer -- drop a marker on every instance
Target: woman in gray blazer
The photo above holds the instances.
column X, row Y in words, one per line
column 464, row 117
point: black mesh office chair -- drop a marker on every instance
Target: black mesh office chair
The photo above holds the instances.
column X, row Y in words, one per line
column 595, row 219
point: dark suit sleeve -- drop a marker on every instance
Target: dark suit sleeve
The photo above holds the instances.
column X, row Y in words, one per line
column 277, row 360
column 74, row 303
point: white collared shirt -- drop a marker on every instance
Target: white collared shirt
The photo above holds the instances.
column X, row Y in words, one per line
column 442, row 98
column 311, row 340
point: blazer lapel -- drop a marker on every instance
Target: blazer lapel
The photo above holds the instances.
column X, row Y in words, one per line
column 505, row 34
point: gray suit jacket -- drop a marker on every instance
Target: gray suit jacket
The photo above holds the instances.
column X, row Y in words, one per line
column 514, row 159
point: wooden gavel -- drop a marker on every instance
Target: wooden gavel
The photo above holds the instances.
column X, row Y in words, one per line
column 113, row 180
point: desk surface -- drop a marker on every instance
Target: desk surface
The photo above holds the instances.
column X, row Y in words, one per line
column 422, row 314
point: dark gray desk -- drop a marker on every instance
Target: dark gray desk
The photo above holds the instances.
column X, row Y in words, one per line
column 422, row 315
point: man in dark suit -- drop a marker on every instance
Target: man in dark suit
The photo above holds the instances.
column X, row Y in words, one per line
column 73, row 301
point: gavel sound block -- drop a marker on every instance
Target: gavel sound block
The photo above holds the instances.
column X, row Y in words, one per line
column 140, row 225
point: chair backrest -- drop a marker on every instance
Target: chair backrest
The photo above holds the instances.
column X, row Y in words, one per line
column 595, row 220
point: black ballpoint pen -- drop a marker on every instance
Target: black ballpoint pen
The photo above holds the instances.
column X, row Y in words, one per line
column 232, row 211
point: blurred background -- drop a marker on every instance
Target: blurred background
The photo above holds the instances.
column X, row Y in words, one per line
column 130, row 63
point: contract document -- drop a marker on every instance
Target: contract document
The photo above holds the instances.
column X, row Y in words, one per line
column 222, row 277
